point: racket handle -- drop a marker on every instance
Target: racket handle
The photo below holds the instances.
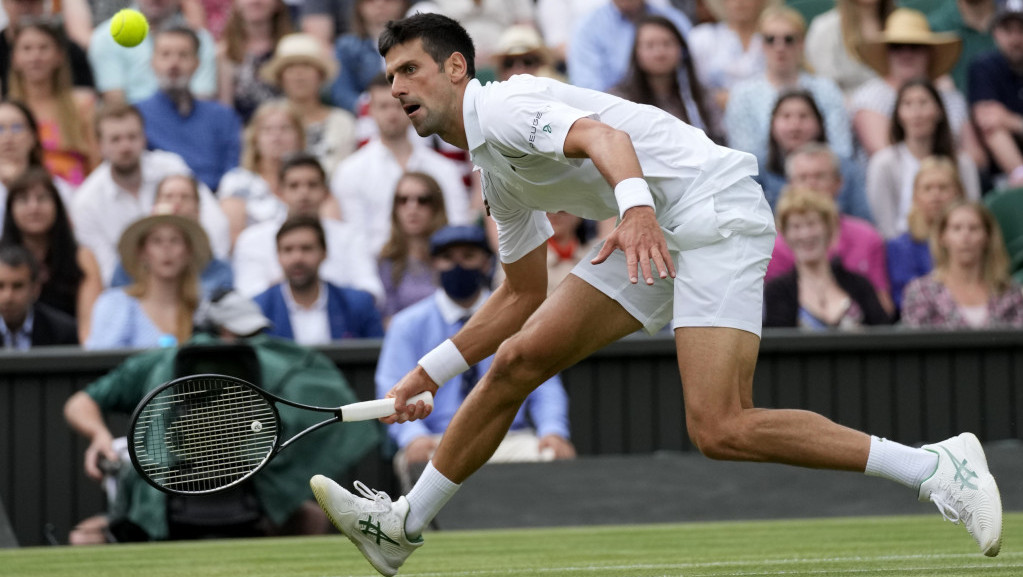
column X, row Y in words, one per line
column 379, row 408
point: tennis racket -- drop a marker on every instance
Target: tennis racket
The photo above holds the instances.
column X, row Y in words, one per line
column 202, row 434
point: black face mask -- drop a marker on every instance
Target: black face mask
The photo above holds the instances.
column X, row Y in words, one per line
column 461, row 283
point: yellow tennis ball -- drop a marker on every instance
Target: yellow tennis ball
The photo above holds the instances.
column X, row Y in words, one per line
column 129, row 27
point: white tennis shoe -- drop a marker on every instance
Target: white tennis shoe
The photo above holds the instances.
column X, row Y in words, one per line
column 375, row 524
column 963, row 490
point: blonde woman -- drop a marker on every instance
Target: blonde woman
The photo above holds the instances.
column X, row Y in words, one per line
column 970, row 285
column 937, row 185
column 834, row 35
column 40, row 76
column 253, row 29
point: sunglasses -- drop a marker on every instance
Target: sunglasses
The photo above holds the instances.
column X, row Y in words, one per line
column 526, row 61
column 402, row 200
column 787, row 39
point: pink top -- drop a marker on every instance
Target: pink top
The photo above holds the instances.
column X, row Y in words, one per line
column 858, row 245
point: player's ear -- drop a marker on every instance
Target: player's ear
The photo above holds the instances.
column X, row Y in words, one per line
column 456, row 67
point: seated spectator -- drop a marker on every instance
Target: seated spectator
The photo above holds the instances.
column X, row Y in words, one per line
column 128, row 75
column 729, row 50
column 69, row 276
column 572, row 240
column 972, row 21
column 248, row 193
column 520, row 50
column 303, row 188
column 936, row 186
column 123, row 188
column 907, row 50
column 919, row 128
column 970, row 285
column 485, row 20
column 747, row 118
column 598, row 55
column 20, row 150
column 40, row 76
column 661, row 73
column 206, row 134
column 362, row 182
column 74, row 53
column 253, row 30
column 796, row 122
column 465, row 263
column 416, row 213
column 833, row 38
column 284, row 505
column 179, row 194
column 163, row 254
column 995, row 99
column 25, row 322
column 855, row 242
column 325, row 19
column 356, row 49
column 819, row 293
column 300, row 69
column 557, row 20
column 305, row 308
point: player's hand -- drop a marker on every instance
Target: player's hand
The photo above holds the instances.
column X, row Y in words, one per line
column 559, row 446
column 640, row 238
column 101, row 446
column 415, row 382
column 420, row 450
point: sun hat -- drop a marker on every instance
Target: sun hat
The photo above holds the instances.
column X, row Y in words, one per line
column 520, row 39
column 908, row 26
column 133, row 236
column 298, row 48
column 717, row 7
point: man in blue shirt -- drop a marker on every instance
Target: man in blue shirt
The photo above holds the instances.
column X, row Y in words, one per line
column 206, row 134
column 464, row 262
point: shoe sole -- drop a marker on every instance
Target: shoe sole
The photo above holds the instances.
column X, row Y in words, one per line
column 975, row 453
column 321, row 499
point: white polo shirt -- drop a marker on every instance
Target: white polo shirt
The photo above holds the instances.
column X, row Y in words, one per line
column 516, row 133
column 309, row 325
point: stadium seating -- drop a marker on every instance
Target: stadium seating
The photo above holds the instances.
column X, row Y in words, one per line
column 7, row 538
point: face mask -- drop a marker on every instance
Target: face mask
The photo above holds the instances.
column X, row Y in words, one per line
column 461, row 283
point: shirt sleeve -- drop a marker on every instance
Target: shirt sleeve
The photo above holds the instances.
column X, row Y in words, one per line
column 399, row 355
column 548, row 409
column 524, row 121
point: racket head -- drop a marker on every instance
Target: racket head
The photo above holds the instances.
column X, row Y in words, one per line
column 202, row 434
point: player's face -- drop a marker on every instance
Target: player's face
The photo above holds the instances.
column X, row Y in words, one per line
column 807, row 235
column 815, row 172
column 165, row 252
column 935, row 190
column 1009, row 38
column 175, row 60
column 17, row 293
column 413, row 207
column 794, row 124
column 34, row 211
column 121, row 142
column 657, row 50
column 179, row 195
column 276, row 135
column 36, row 55
column 16, row 138
column 426, row 93
column 918, row 112
column 300, row 255
column 964, row 236
column 303, row 190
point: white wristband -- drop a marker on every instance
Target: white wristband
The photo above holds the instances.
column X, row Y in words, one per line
column 444, row 363
column 632, row 192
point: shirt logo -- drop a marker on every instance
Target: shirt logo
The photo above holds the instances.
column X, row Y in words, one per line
column 547, row 129
column 536, row 123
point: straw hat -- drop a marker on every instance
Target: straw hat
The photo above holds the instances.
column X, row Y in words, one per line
column 133, row 236
column 520, row 39
column 907, row 26
column 717, row 7
column 298, row 48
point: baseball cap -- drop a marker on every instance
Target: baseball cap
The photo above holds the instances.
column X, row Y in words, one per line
column 451, row 235
column 237, row 314
column 1007, row 9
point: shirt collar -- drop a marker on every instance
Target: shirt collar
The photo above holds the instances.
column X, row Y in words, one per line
column 452, row 312
column 23, row 334
column 473, row 132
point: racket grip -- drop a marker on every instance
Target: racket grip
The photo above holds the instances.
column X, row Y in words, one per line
column 379, row 408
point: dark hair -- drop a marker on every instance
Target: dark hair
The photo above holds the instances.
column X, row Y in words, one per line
column 297, row 222
column 182, row 31
column 15, row 256
column 116, row 110
column 636, row 85
column 941, row 142
column 775, row 155
column 61, row 259
column 441, row 37
column 35, row 156
column 301, row 159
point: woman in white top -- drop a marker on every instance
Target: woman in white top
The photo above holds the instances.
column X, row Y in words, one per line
column 834, row 35
column 919, row 128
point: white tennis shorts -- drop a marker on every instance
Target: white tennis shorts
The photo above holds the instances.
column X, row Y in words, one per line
column 721, row 248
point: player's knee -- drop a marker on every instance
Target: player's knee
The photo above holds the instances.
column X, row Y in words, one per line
column 519, row 365
column 716, row 440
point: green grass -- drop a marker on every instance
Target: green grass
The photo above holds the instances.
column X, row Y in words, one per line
column 867, row 546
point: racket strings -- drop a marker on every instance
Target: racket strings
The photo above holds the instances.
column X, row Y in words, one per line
column 204, row 434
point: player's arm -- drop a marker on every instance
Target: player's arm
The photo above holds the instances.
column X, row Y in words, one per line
column 639, row 234
column 501, row 316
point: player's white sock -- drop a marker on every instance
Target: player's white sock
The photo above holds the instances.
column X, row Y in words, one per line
column 899, row 463
column 428, row 496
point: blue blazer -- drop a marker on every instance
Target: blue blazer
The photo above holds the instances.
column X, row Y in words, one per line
column 351, row 313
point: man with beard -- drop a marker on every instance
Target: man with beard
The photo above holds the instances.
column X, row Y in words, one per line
column 305, row 308
column 205, row 133
column 122, row 189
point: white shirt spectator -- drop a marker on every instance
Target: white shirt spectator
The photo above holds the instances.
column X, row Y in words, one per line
column 719, row 57
column 364, row 186
column 309, row 325
column 879, row 96
column 557, row 19
column 485, row 20
column 349, row 263
column 261, row 204
column 101, row 209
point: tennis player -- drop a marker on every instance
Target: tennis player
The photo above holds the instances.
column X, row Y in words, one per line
column 692, row 245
